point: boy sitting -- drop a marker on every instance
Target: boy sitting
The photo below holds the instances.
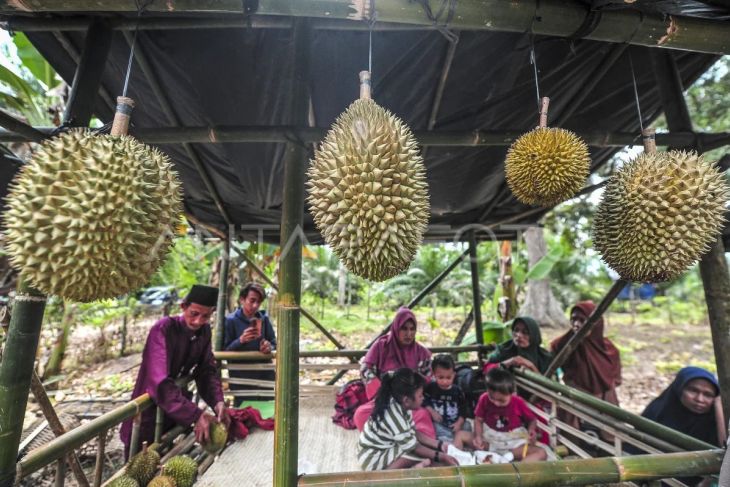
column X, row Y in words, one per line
column 502, row 421
column 446, row 403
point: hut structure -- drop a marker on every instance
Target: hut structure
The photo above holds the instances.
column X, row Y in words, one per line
column 238, row 92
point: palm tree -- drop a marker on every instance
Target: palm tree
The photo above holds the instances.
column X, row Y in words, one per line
column 320, row 275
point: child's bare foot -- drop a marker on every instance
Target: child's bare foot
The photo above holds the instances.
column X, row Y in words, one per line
column 423, row 464
column 487, row 459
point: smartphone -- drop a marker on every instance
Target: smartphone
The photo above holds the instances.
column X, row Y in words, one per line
column 257, row 324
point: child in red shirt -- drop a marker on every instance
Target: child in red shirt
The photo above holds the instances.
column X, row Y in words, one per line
column 503, row 422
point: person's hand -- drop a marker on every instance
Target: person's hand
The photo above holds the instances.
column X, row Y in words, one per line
column 221, row 413
column 437, row 418
column 456, row 427
column 445, row 446
column 532, row 438
column 265, row 346
column 478, row 443
column 448, row 460
column 249, row 334
column 202, row 428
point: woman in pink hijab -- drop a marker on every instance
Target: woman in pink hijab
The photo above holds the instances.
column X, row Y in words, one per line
column 395, row 350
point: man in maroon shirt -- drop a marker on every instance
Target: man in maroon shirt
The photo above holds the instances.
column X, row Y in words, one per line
column 178, row 346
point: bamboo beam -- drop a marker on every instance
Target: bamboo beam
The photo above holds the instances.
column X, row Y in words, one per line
column 658, row 430
column 286, row 416
column 167, row 108
column 52, row 418
column 16, row 369
column 258, row 356
column 558, row 18
column 87, row 79
column 575, row 340
column 475, row 292
column 220, row 316
column 464, row 328
column 11, row 123
column 445, row 138
column 590, row 471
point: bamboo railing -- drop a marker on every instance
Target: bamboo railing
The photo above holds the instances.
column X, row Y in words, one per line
column 564, row 472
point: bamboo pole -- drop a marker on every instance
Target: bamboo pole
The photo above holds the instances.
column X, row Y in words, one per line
column 436, row 138
column 52, row 418
column 565, row 352
column 588, row 471
column 99, row 467
column 16, row 370
column 87, row 79
column 222, row 294
column 475, row 292
column 11, row 123
column 557, row 18
column 646, row 425
column 599, row 418
column 256, row 356
column 286, row 416
column 58, row 447
column 159, row 423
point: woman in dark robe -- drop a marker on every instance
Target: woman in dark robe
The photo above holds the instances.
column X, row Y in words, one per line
column 523, row 350
column 691, row 405
column 595, row 366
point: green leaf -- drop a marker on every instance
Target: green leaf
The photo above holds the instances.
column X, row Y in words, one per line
column 542, row 267
column 25, row 93
column 33, row 60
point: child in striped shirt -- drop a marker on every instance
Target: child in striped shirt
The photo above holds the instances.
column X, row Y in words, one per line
column 389, row 439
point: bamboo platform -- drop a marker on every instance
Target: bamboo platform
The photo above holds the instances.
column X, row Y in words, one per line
column 323, row 446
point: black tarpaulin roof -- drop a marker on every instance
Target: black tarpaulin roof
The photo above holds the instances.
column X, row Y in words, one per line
column 237, row 77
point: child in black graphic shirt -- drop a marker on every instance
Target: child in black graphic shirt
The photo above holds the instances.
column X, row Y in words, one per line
column 446, row 403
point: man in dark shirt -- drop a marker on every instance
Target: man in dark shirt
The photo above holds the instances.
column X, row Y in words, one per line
column 249, row 329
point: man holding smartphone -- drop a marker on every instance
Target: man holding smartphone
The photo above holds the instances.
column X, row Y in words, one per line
column 249, row 329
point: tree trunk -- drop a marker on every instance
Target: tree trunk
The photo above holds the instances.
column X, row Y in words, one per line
column 540, row 303
column 53, row 367
column 367, row 315
column 341, row 285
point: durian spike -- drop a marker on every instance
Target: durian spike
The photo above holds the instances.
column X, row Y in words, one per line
column 365, row 85
column 544, row 103
column 120, row 126
column 649, row 138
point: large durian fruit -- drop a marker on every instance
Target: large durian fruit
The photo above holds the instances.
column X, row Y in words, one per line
column 547, row 166
column 91, row 216
column 368, row 192
column 658, row 215
column 218, row 437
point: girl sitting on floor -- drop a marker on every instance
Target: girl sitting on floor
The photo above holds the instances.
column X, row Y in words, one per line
column 389, row 439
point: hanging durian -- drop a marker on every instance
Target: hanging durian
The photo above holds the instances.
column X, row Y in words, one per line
column 91, row 216
column 367, row 190
column 659, row 214
column 546, row 166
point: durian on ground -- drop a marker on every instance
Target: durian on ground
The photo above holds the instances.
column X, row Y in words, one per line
column 91, row 216
column 547, row 166
column 182, row 469
column 368, row 192
column 658, row 215
column 142, row 467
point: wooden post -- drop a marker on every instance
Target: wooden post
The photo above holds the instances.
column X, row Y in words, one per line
column 99, row 467
column 57, row 427
column 220, row 316
column 85, row 87
column 713, row 266
column 507, row 303
column 286, row 432
column 475, row 293
column 16, row 371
